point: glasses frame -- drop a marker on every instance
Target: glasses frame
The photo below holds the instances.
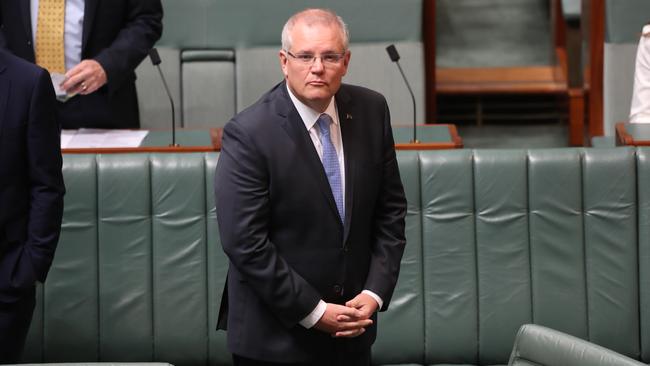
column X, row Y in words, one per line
column 302, row 61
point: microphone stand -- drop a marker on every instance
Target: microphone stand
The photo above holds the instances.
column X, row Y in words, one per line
column 155, row 60
column 394, row 56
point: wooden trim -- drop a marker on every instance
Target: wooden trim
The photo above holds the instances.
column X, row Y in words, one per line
column 576, row 117
column 503, row 80
column 216, row 134
column 559, row 25
column 455, row 137
column 429, row 35
column 426, row 146
column 596, row 64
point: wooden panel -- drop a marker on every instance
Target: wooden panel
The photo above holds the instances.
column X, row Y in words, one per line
column 595, row 12
column 531, row 79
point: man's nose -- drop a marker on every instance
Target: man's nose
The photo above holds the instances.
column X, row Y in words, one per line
column 317, row 66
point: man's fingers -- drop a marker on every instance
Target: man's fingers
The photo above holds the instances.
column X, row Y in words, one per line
column 350, row 311
column 349, row 333
column 344, row 318
column 353, row 324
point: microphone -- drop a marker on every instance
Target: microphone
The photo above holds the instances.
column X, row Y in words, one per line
column 155, row 60
column 394, row 56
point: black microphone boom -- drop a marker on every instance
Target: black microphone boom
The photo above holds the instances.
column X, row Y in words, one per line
column 394, row 56
column 155, row 60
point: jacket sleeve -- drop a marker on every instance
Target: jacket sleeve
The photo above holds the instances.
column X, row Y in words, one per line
column 45, row 179
column 388, row 235
column 242, row 204
column 141, row 30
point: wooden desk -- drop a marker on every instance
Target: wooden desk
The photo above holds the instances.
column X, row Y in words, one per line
column 189, row 140
column 431, row 137
column 632, row 134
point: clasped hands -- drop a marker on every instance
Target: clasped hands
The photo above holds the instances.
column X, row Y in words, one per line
column 350, row 320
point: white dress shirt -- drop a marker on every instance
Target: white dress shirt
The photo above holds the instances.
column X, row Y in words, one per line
column 309, row 118
column 640, row 108
column 73, row 29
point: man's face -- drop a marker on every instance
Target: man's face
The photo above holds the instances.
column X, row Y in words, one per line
column 314, row 83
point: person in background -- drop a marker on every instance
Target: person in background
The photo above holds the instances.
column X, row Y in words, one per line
column 91, row 48
column 640, row 108
column 31, row 195
column 310, row 208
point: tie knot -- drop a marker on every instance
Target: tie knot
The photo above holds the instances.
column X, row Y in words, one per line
column 324, row 121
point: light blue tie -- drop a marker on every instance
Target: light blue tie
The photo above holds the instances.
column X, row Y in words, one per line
column 331, row 162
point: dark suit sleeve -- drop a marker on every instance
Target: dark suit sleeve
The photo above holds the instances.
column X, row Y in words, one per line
column 243, row 210
column 389, row 223
column 45, row 178
column 143, row 27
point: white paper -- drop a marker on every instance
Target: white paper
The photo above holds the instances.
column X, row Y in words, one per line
column 66, row 136
column 57, row 80
column 100, row 138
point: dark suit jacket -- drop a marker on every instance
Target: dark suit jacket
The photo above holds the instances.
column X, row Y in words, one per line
column 31, row 183
column 280, row 228
column 116, row 33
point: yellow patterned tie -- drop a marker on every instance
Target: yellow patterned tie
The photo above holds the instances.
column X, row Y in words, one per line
column 49, row 35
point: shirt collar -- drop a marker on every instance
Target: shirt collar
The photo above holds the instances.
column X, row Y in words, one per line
column 310, row 116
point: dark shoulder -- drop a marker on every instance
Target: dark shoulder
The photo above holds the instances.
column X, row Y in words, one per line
column 26, row 79
column 262, row 114
column 19, row 69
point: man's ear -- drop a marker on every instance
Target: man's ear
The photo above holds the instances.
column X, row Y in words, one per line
column 346, row 61
column 283, row 62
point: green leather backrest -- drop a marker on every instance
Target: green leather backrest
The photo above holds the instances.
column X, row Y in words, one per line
column 400, row 338
column 495, row 239
column 540, row 346
column 138, row 273
column 540, row 236
column 643, row 192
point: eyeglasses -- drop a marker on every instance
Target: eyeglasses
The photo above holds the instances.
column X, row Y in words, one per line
column 326, row 58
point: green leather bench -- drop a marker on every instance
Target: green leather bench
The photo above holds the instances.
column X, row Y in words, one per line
column 540, row 346
column 495, row 239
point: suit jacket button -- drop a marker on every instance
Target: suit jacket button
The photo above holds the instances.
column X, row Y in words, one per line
column 338, row 289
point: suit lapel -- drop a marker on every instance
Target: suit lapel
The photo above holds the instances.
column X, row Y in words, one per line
column 294, row 126
column 347, row 120
column 90, row 8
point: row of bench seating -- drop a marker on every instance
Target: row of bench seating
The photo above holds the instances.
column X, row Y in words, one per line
column 495, row 239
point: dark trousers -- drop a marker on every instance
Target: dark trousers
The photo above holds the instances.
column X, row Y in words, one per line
column 15, row 319
column 337, row 359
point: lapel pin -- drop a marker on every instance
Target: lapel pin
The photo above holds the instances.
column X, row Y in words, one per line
column 348, row 116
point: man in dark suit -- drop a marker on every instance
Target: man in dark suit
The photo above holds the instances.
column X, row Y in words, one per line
column 310, row 208
column 113, row 37
column 31, row 194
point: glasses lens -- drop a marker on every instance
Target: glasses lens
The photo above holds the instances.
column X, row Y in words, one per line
column 331, row 58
